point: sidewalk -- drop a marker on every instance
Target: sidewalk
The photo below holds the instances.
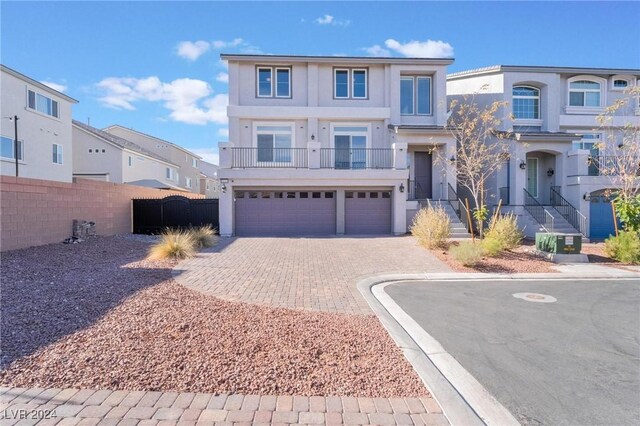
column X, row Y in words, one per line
column 20, row 406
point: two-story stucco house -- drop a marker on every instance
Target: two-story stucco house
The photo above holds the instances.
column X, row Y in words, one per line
column 209, row 182
column 552, row 178
column 187, row 174
column 332, row 145
column 102, row 156
column 44, row 128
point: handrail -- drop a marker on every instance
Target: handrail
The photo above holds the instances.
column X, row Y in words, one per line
column 537, row 211
column 570, row 213
column 458, row 207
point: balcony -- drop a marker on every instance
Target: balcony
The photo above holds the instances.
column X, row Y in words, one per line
column 356, row 158
column 271, row 158
column 610, row 165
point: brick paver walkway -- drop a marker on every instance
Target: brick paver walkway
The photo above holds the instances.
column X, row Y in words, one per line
column 303, row 273
column 103, row 407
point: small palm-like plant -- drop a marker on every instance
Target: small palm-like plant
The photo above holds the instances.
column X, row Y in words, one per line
column 205, row 236
column 173, row 244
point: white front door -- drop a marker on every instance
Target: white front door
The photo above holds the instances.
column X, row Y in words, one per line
column 532, row 176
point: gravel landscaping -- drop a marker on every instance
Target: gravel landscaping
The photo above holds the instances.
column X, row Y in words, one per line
column 96, row 315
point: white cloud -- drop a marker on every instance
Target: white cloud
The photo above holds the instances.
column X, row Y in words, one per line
column 55, row 86
column 188, row 100
column 192, row 50
column 222, row 77
column 210, row 155
column 331, row 20
column 223, row 132
column 222, row 44
column 376, row 50
column 421, row 49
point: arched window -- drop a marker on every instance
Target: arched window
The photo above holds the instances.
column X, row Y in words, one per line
column 584, row 93
column 526, row 103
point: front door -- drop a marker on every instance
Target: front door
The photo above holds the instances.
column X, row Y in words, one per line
column 422, row 175
column 532, row 176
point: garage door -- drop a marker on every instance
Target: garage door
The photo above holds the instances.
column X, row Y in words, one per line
column 285, row 213
column 367, row 212
column 601, row 217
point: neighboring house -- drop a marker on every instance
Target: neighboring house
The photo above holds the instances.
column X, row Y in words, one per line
column 553, row 167
column 209, row 183
column 44, row 128
column 332, row 145
column 102, row 156
column 187, row 176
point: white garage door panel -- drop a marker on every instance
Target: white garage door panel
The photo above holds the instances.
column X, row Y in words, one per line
column 368, row 212
column 285, row 213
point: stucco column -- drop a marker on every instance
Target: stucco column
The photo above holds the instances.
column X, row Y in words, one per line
column 399, row 155
column 517, row 175
column 340, row 211
column 225, row 155
column 399, row 211
column 313, row 151
column 226, row 211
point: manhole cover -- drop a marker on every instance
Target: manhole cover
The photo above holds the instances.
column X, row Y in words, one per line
column 535, row 297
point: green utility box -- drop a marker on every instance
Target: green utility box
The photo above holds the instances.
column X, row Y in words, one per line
column 559, row 243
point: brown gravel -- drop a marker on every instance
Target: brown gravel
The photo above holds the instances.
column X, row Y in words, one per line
column 509, row 262
column 93, row 315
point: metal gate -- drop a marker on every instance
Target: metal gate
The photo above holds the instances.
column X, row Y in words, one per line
column 151, row 216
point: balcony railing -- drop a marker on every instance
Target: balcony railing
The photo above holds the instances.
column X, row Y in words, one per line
column 612, row 165
column 247, row 158
column 356, row 158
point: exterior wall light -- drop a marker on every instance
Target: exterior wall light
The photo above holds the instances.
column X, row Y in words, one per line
column 452, row 159
column 586, row 196
column 523, row 165
column 313, row 137
column 550, row 172
column 401, row 187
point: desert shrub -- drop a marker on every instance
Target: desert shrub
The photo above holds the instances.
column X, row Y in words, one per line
column 492, row 246
column 173, row 244
column 624, row 248
column 205, row 236
column 431, row 227
column 467, row 253
column 505, row 230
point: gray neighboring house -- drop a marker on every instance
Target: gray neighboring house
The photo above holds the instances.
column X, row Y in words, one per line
column 209, row 183
column 187, row 176
column 102, row 156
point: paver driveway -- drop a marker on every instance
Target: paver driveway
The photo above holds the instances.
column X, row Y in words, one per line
column 303, row 273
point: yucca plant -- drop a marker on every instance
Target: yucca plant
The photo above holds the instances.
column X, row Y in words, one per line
column 173, row 244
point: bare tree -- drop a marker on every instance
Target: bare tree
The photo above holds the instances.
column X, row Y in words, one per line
column 619, row 154
column 481, row 149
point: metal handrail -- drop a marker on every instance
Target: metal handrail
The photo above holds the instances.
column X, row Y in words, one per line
column 538, row 212
column 570, row 213
column 248, row 158
column 356, row 158
column 458, row 207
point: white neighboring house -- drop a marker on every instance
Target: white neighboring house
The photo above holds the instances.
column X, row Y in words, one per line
column 44, row 128
column 209, row 182
column 332, row 145
column 553, row 167
column 187, row 176
column 102, row 156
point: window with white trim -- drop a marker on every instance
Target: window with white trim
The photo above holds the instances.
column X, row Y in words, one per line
column 273, row 82
column 415, row 95
column 7, row 149
column 42, row 104
column 350, row 143
column 585, row 93
column 620, row 84
column 194, row 162
column 169, row 173
column 274, row 143
column 57, row 153
column 589, row 141
column 130, row 161
column 350, row 83
column 526, row 103
column 187, row 182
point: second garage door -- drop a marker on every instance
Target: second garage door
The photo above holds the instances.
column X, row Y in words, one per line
column 285, row 213
column 367, row 212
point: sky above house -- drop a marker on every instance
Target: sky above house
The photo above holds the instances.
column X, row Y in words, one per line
column 155, row 66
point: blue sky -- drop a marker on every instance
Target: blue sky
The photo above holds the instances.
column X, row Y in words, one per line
column 155, row 66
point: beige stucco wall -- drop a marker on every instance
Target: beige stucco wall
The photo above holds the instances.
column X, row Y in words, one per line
column 38, row 132
column 85, row 162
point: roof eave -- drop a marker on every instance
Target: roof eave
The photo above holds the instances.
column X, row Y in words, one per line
column 37, row 84
column 334, row 59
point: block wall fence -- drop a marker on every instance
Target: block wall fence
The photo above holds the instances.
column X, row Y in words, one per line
column 35, row 212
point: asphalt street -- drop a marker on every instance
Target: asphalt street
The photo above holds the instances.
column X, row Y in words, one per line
column 572, row 361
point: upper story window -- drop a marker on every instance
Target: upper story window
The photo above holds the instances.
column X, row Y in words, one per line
column 7, row 149
column 57, row 153
column 620, row 84
column 584, row 93
column 526, row 103
column 169, row 173
column 130, row 161
column 350, row 83
column 590, row 141
column 194, row 162
column 43, row 104
column 273, row 82
column 274, row 142
column 187, row 182
column 415, row 95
